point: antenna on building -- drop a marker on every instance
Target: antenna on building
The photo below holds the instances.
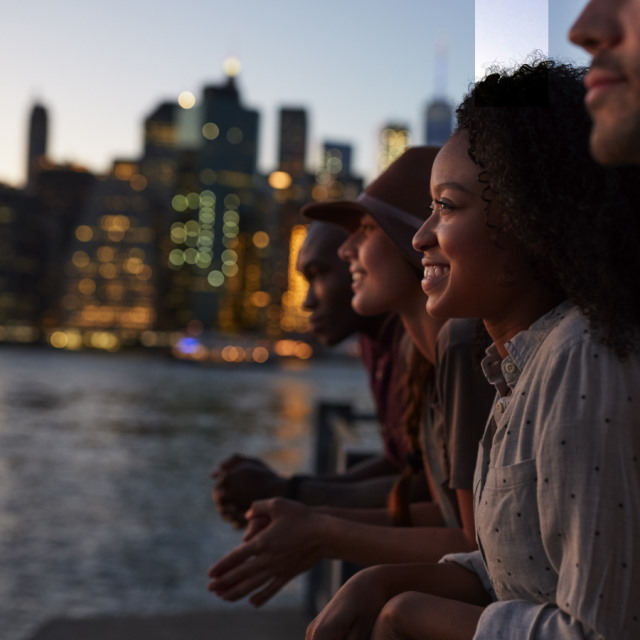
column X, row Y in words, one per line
column 439, row 113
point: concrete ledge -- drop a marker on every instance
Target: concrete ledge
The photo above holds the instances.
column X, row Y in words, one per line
column 210, row 625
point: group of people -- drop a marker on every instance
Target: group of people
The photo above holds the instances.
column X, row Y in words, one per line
column 493, row 284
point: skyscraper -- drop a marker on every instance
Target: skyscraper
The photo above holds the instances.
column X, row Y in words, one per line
column 110, row 293
column 158, row 163
column 334, row 180
column 439, row 121
column 37, row 144
column 292, row 142
column 217, row 207
column 439, row 113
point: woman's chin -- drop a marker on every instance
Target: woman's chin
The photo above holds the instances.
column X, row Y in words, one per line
column 365, row 307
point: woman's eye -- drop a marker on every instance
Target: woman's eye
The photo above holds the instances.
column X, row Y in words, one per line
column 441, row 205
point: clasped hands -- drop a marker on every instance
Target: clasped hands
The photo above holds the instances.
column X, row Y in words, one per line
column 280, row 542
column 240, row 481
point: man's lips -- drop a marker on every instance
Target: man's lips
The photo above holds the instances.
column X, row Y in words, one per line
column 600, row 81
column 317, row 324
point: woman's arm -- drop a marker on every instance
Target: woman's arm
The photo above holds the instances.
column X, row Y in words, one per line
column 291, row 538
column 366, row 602
column 423, row 514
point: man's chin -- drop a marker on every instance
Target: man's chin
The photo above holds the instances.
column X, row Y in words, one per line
column 615, row 145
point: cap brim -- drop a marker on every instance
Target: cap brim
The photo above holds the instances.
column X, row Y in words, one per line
column 347, row 214
column 343, row 213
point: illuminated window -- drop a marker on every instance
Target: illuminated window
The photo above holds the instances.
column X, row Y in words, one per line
column 84, row 233
column 86, row 286
column 210, row 131
column 232, row 201
column 215, row 278
column 260, row 239
column 179, row 203
column 80, row 259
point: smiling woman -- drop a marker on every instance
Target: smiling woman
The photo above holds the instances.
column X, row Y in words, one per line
column 464, row 274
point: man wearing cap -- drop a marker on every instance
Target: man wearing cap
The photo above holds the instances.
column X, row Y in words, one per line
column 241, row 480
column 610, row 31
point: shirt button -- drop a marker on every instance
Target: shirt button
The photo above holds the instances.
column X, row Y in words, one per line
column 510, row 367
column 499, row 408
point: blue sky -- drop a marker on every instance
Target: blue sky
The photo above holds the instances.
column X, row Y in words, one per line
column 100, row 68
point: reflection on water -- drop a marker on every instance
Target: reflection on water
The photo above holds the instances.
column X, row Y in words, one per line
column 104, row 462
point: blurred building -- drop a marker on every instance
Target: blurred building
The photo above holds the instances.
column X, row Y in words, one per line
column 36, row 144
column 110, row 291
column 220, row 204
column 439, row 121
column 189, row 235
column 393, row 142
column 438, row 124
column 334, row 179
column 23, row 233
column 62, row 193
column 159, row 159
column 292, row 141
column 291, row 188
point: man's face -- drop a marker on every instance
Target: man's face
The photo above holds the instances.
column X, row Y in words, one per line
column 610, row 31
column 329, row 295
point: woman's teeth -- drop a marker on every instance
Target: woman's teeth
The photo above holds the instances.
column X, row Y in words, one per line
column 434, row 271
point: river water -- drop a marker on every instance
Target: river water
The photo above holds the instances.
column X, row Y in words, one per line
column 104, row 463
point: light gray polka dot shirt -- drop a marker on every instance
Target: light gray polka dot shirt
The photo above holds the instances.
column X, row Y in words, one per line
column 557, row 488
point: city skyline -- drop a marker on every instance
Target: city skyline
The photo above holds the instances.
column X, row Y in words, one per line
column 98, row 94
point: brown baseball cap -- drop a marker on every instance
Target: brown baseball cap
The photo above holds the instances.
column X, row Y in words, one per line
column 398, row 199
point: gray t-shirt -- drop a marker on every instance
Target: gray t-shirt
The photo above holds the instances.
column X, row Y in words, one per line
column 457, row 408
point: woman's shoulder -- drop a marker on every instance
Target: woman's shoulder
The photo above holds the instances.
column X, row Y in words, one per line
column 573, row 334
column 573, row 355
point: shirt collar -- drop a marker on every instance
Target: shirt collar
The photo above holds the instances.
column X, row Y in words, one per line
column 503, row 374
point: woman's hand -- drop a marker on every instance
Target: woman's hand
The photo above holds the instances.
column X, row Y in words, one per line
column 239, row 481
column 281, row 541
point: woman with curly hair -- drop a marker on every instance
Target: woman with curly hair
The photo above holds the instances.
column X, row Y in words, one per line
column 532, row 236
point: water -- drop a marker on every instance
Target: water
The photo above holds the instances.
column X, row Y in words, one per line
column 104, row 463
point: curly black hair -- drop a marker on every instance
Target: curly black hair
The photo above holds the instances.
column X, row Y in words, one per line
column 580, row 222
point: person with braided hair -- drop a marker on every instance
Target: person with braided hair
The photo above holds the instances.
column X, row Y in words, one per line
column 448, row 401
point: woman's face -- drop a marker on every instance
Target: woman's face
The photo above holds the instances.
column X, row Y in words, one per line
column 468, row 272
column 382, row 278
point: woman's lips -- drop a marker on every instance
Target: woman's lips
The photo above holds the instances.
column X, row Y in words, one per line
column 356, row 277
column 433, row 274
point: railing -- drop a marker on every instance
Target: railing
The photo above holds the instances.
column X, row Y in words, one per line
column 340, row 442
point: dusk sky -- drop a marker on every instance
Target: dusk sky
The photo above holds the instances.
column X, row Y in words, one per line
column 100, row 69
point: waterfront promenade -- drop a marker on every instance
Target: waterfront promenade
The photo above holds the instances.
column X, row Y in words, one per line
column 235, row 624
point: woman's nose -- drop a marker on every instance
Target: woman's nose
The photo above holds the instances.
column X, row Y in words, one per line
column 345, row 250
column 424, row 237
